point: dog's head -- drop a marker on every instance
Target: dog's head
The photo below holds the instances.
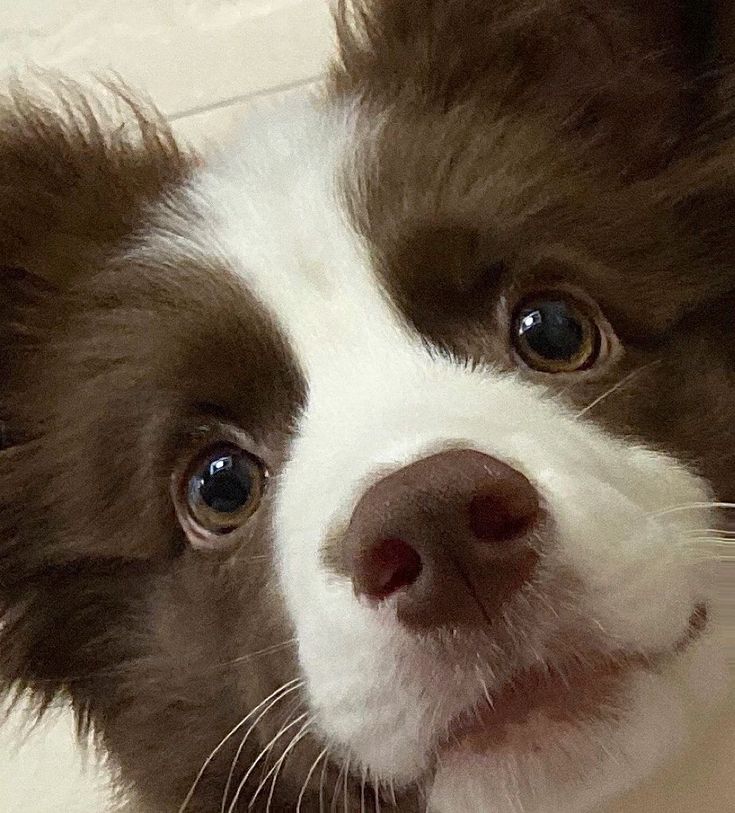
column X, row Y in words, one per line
column 376, row 457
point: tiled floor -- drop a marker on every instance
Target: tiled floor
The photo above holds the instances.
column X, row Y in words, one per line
column 200, row 60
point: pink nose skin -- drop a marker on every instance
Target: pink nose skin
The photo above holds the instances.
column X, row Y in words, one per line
column 448, row 536
column 389, row 566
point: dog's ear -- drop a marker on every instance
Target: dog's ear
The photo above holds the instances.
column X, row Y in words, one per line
column 75, row 184
column 623, row 75
column 75, row 175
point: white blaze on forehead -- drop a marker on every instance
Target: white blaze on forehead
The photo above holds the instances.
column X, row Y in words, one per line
column 377, row 400
column 277, row 217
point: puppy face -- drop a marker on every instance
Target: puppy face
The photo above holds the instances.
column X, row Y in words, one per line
column 370, row 460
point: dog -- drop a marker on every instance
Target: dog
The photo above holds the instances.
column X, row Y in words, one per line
column 381, row 460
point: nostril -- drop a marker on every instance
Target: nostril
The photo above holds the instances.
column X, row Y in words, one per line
column 503, row 514
column 387, row 567
column 439, row 532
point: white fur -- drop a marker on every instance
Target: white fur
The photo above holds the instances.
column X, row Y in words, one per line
column 584, row 769
column 378, row 400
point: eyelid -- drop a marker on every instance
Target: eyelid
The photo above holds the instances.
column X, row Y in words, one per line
column 209, row 428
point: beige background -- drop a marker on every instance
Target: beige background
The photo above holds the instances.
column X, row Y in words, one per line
column 200, row 60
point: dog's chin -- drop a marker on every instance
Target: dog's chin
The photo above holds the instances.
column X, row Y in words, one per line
column 575, row 738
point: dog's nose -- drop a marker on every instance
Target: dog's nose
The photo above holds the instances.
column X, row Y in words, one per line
column 449, row 535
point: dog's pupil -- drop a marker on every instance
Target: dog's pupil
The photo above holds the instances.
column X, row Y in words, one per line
column 552, row 330
column 226, row 483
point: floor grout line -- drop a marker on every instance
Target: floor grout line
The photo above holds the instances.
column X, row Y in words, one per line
column 243, row 97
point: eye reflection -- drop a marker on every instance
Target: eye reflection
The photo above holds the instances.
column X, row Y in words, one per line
column 554, row 335
column 224, row 488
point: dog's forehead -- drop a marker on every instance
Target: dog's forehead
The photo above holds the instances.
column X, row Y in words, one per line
column 444, row 202
column 330, row 214
column 325, row 216
column 275, row 210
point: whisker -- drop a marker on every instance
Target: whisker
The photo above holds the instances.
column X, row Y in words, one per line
column 266, row 651
column 335, row 792
column 615, row 387
column 712, row 533
column 193, row 670
column 308, row 779
column 266, row 750
column 295, row 706
column 692, row 506
column 275, row 770
column 393, row 799
column 539, row 596
column 241, row 747
column 346, row 780
column 224, row 740
column 321, row 784
column 376, row 788
column 717, row 541
column 485, row 690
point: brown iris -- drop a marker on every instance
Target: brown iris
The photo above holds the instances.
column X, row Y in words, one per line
column 223, row 488
column 553, row 334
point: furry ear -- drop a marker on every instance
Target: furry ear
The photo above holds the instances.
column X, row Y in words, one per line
column 622, row 74
column 18, row 290
column 76, row 180
column 75, row 176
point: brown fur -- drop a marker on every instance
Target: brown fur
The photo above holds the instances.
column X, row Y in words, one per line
column 108, row 372
column 565, row 139
column 618, row 72
column 523, row 192
column 75, row 179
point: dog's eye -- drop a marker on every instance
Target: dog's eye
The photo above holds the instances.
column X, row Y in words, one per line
column 222, row 489
column 554, row 335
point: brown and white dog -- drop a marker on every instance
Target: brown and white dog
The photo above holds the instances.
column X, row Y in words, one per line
column 374, row 463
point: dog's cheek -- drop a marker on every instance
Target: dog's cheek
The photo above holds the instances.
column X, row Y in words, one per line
column 556, row 776
column 630, row 545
